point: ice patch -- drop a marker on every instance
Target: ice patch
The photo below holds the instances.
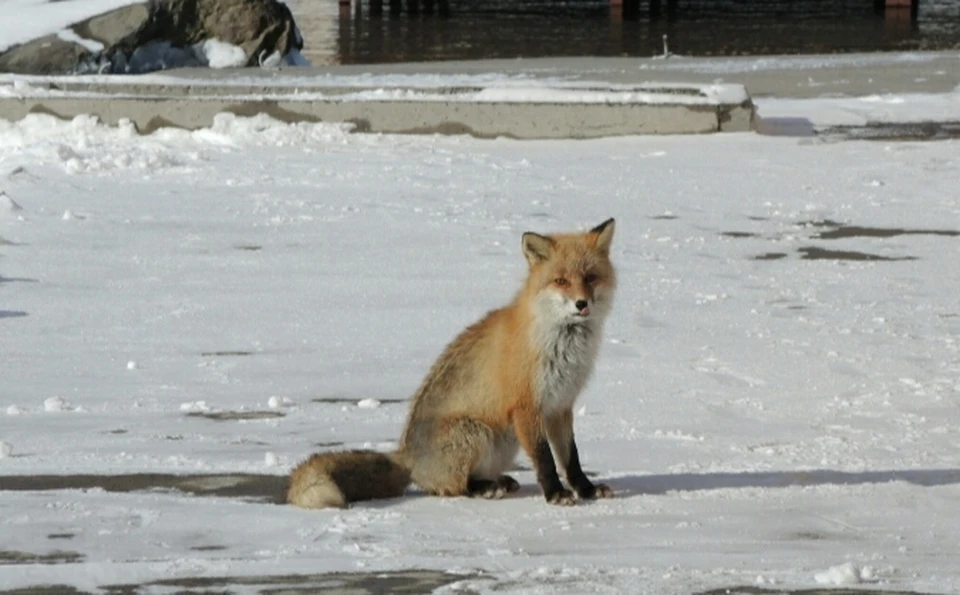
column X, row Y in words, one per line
column 132, row 365
column 295, row 58
column 271, row 460
column 14, row 410
column 6, row 449
column 368, row 403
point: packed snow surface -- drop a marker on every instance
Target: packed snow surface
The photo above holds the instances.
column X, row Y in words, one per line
column 776, row 401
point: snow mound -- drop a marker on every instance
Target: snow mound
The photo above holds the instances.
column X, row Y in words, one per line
column 194, row 407
column 220, row 54
column 86, row 145
column 844, row 574
column 278, row 402
column 7, row 204
column 56, row 405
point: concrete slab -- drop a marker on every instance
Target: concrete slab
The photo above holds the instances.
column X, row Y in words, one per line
column 514, row 112
column 616, row 96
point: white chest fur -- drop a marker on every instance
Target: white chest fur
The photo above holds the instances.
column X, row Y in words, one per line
column 568, row 352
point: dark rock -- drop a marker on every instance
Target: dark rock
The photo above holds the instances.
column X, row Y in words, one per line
column 109, row 28
column 174, row 29
column 52, row 55
column 162, row 34
column 46, row 55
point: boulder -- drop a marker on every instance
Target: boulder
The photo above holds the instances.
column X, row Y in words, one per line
column 46, row 55
column 165, row 34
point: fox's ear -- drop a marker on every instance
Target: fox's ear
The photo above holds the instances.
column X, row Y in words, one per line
column 603, row 235
column 536, row 248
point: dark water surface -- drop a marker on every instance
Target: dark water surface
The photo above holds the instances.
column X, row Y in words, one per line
column 365, row 32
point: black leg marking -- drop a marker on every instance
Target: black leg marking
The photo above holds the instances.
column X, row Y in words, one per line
column 547, row 476
column 579, row 480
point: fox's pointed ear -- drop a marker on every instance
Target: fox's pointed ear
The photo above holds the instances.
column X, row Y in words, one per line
column 603, row 235
column 536, row 248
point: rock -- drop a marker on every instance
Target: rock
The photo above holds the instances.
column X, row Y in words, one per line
column 109, row 28
column 164, row 34
column 176, row 31
column 46, row 55
column 55, row 54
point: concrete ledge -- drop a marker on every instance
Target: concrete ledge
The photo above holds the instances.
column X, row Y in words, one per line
column 513, row 112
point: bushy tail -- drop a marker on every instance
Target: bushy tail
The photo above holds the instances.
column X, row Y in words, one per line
column 336, row 479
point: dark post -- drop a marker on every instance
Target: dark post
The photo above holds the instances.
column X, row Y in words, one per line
column 898, row 10
column 656, row 9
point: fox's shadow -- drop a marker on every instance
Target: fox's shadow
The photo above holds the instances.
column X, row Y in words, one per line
column 654, row 485
column 272, row 488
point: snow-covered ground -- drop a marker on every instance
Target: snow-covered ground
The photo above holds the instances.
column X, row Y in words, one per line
column 774, row 404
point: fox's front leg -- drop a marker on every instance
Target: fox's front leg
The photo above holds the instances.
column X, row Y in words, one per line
column 560, row 434
column 532, row 437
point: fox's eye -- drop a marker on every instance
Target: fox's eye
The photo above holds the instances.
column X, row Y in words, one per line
column 589, row 278
column 560, row 281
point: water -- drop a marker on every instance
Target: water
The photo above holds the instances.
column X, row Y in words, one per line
column 483, row 29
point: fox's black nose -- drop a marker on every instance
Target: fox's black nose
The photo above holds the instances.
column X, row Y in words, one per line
column 581, row 304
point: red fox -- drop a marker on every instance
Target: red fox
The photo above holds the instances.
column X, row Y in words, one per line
column 507, row 382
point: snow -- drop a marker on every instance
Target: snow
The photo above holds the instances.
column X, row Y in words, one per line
column 844, row 574
column 7, row 204
column 760, row 409
column 56, row 405
column 873, row 108
column 741, row 64
column 220, row 54
column 71, row 36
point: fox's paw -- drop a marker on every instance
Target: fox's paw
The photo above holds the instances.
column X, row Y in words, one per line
column 485, row 488
column 600, row 490
column 562, row 498
column 494, row 492
column 508, row 483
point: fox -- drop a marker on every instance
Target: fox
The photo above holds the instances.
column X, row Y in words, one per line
column 505, row 383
